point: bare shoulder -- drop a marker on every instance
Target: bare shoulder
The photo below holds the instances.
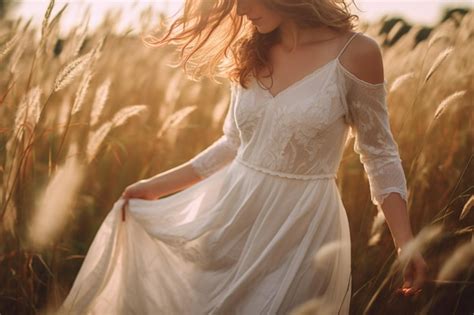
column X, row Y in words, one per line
column 363, row 58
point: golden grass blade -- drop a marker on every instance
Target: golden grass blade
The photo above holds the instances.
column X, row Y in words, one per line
column 400, row 80
column 419, row 243
column 125, row 113
column 461, row 259
column 81, row 36
column 436, row 37
column 96, row 139
column 377, row 228
column 448, row 101
column 175, row 119
column 438, row 61
column 28, row 111
column 71, row 71
column 82, row 91
column 99, row 101
column 46, row 18
column 54, row 208
column 9, row 46
column 9, row 219
column 467, row 208
column 16, row 56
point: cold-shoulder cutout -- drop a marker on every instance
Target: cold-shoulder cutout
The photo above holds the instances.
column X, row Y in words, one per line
column 360, row 81
column 362, row 61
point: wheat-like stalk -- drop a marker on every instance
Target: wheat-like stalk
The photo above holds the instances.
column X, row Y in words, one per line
column 99, row 101
column 28, row 111
column 17, row 55
column 71, row 71
column 9, row 46
column 419, row 243
column 46, row 18
column 81, row 92
column 400, row 80
column 467, row 208
column 376, row 230
column 127, row 112
column 435, row 38
column 394, row 30
column 56, row 202
column 96, row 139
column 448, row 101
column 461, row 259
column 175, row 119
column 81, row 38
column 438, row 61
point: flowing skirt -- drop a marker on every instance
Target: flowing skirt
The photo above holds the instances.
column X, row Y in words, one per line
column 240, row 241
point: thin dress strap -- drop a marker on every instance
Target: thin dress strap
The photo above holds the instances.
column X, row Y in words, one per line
column 345, row 45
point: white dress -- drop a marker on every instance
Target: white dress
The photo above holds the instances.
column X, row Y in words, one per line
column 242, row 240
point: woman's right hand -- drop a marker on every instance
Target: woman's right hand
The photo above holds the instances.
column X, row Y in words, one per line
column 143, row 189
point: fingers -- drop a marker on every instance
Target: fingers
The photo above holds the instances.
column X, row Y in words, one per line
column 414, row 277
column 420, row 278
column 123, row 209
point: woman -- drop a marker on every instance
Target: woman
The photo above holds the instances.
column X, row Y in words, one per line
column 263, row 200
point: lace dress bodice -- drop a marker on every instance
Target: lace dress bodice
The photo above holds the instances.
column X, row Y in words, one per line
column 300, row 132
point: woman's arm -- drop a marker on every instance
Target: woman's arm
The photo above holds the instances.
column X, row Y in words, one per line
column 205, row 163
column 173, row 180
column 395, row 211
column 365, row 101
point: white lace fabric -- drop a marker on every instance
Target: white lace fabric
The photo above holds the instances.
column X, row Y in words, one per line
column 300, row 133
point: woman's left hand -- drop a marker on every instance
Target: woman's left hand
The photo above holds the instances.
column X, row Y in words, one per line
column 414, row 275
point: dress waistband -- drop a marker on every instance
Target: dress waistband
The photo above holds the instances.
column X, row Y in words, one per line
column 286, row 175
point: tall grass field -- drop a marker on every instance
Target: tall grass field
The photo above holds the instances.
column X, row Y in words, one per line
column 85, row 114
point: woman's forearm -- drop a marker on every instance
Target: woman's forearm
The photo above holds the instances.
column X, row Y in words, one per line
column 396, row 215
column 174, row 179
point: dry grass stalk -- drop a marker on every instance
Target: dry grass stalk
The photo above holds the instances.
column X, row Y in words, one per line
column 81, row 38
column 419, row 243
column 438, row 61
column 46, row 18
column 461, row 259
column 82, row 91
column 435, row 38
column 9, row 218
column 447, row 101
column 28, row 111
column 9, row 46
column 175, row 119
column 56, row 202
column 17, row 55
column 125, row 113
column 96, row 139
column 400, row 80
column 394, row 30
column 71, row 71
column 377, row 228
column 467, row 208
column 99, row 101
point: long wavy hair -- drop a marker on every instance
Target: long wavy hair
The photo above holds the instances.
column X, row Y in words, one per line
column 213, row 40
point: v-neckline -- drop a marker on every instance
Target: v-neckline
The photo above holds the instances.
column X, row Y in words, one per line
column 297, row 82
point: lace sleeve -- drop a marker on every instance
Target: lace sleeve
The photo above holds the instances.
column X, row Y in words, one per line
column 374, row 142
column 224, row 149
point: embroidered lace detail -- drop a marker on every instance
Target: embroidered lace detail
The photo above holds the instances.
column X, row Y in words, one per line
column 286, row 175
column 301, row 133
column 374, row 142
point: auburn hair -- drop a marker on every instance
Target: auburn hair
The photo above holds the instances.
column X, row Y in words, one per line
column 213, row 40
